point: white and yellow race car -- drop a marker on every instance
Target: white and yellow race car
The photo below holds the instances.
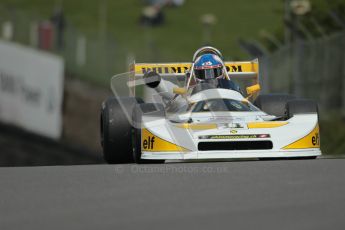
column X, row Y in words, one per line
column 178, row 117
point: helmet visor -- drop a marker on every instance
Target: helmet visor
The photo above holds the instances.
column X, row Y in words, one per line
column 205, row 74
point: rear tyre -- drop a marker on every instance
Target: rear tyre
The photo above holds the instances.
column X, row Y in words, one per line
column 301, row 106
column 273, row 104
column 116, row 129
column 138, row 111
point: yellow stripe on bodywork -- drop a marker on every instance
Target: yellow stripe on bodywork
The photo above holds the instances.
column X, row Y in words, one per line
column 312, row 140
column 153, row 143
column 266, row 125
column 197, row 126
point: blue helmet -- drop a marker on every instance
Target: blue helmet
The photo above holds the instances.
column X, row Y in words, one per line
column 208, row 66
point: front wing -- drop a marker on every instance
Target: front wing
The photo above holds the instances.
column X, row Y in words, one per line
column 296, row 137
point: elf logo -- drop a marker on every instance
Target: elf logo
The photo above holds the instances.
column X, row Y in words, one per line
column 148, row 144
column 315, row 140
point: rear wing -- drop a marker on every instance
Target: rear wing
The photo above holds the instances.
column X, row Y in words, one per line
column 236, row 70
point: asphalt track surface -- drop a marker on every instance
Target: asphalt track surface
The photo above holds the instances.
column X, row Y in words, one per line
column 306, row 194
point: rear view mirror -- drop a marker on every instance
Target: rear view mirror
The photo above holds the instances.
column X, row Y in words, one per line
column 152, row 79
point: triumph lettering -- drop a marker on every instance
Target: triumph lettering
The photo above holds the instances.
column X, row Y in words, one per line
column 234, row 68
column 165, row 70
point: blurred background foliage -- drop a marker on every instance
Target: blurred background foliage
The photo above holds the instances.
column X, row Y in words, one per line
column 182, row 33
column 117, row 24
column 114, row 35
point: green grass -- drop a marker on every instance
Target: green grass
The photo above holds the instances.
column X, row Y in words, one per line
column 181, row 35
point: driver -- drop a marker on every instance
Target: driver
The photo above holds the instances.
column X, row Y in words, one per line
column 208, row 67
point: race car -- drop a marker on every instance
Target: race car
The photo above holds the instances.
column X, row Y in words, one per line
column 203, row 110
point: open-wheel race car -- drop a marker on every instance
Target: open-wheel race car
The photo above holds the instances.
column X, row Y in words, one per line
column 206, row 109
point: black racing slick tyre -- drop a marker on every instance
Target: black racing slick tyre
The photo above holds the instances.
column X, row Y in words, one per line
column 153, row 109
column 302, row 158
column 301, row 106
column 116, row 129
column 287, row 158
column 273, row 104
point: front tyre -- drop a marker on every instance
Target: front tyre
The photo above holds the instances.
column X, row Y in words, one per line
column 287, row 158
column 115, row 127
